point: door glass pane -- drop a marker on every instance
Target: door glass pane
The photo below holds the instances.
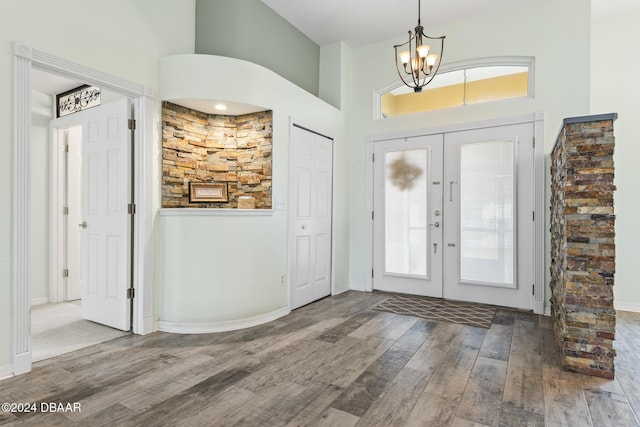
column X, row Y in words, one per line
column 406, row 212
column 487, row 208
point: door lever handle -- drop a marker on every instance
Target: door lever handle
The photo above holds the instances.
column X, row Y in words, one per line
column 435, row 224
column 83, row 224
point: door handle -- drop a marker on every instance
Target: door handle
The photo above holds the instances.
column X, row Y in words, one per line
column 435, row 224
column 83, row 224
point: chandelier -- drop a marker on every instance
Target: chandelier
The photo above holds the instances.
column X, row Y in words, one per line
column 417, row 63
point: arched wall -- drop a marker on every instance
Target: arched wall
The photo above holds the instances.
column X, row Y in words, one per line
column 222, row 269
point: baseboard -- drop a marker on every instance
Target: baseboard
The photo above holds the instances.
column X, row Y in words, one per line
column 341, row 290
column 362, row 288
column 223, row 326
column 39, row 301
column 22, row 363
column 6, row 371
column 623, row 306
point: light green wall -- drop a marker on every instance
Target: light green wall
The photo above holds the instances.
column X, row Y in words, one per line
column 122, row 37
column 614, row 89
column 250, row 30
column 555, row 33
column 215, row 268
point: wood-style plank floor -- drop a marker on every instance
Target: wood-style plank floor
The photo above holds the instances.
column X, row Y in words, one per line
column 335, row 362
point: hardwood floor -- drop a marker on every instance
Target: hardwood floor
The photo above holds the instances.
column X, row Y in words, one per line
column 335, row 362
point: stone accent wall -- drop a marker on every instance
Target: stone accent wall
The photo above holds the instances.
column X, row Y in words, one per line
column 583, row 244
column 200, row 147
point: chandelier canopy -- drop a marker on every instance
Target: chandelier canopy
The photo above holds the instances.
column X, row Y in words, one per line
column 417, row 62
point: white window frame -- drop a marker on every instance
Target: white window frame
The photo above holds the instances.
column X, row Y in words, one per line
column 494, row 61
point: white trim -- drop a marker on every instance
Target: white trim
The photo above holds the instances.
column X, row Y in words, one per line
column 528, row 61
column 341, row 290
column 26, row 58
column 21, row 330
column 214, row 212
column 39, row 301
column 368, row 284
column 6, row 371
column 623, row 306
column 222, row 326
column 540, row 215
column 458, row 127
column 56, row 223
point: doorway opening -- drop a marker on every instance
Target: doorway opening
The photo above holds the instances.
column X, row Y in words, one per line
column 73, row 180
column 26, row 62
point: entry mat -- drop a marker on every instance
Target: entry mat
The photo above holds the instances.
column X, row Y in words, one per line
column 439, row 310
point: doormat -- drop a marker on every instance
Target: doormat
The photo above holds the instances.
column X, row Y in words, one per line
column 439, row 310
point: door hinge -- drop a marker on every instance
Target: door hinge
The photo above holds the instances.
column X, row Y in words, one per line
column 65, row 272
column 131, row 124
column 65, row 210
column 372, row 273
column 65, row 148
column 372, row 215
column 533, row 289
column 534, row 142
column 373, row 157
column 533, row 215
column 131, row 293
column 131, row 208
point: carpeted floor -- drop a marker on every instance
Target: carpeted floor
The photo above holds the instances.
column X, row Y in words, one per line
column 439, row 310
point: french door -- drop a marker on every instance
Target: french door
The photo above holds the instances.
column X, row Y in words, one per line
column 453, row 215
column 408, row 215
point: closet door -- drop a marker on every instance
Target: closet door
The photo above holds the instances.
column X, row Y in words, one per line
column 311, row 199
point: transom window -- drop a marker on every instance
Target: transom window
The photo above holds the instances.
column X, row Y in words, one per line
column 471, row 82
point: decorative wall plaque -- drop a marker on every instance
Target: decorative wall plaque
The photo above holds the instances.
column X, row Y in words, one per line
column 207, row 192
column 77, row 99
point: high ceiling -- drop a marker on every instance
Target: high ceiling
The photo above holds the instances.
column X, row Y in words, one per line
column 360, row 22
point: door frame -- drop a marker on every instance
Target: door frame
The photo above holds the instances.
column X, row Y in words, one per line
column 25, row 59
column 58, row 231
column 539, row 190
column 290, row 211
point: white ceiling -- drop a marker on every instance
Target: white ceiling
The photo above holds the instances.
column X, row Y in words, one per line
column 360, row 22
column 356, row 22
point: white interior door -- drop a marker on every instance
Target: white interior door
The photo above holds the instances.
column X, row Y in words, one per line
column 488, row 233
column 312, row 195
column 106, row 186
column 408, row 216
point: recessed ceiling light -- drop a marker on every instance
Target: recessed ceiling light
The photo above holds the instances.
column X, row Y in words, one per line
column 220, row 107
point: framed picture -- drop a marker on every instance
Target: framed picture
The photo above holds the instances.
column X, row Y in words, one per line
column 77, row 99
column 208, row 192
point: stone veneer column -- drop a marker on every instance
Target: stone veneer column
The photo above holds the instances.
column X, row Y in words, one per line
column 583, row 244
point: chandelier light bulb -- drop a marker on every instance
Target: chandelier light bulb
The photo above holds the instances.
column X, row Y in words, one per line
column 405, row 56
column 431, row 59
column 423, row 50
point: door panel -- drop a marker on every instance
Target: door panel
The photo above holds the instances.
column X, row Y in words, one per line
column 408, row 216
column 312, row 171
column 489, row 227
column 105, row 195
